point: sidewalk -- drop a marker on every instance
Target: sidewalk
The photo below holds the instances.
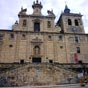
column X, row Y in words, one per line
column 53, row 86
column 58, row 86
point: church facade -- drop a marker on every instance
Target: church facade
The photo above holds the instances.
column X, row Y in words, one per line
column 36, row 38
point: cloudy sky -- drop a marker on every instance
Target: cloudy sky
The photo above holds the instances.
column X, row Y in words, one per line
column 9, row 10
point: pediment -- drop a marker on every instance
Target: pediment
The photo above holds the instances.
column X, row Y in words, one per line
column 36, row 40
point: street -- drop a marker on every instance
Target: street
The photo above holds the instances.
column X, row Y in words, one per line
column 53, row 86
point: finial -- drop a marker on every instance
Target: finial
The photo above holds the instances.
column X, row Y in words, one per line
column 66, row 10
column 51, row 10
column 37, row 4
column 34, row 2
column 21, row 8
column 37, row 1
column 66, row 7
column 16, row 22
column 65, row 2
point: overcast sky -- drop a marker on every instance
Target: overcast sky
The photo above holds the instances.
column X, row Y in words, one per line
column 9, row 10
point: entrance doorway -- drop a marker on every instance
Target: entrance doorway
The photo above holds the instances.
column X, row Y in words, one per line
column 36, row 60
column 21, row 61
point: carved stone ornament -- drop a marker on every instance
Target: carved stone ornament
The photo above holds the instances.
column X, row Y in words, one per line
column 36, row 41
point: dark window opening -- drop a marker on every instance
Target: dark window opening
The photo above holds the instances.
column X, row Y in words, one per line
column 22, row 61
column 50, row 38
column 36, row 60
column 10, row 45
column 23, row 36
column 61, row 47
column 37, row 27
column 60, row 37
column 80, row 62
column 76, row 23
column 49, row 24
column 69, row 22
column 76, row 39
column 12, row 36
column 24, row 23
column 1, row 36
column 50, row 61
column 78, row 49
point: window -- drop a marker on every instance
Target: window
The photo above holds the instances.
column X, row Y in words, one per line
column 36, row 27
column 24, row 23
column 11, row 36
column 50, row 61
column 1, row 36
column 50, row 37
column 23, row 36
column 36, row 60
column 61, row 47
column 76, row 23
column 60, row 37
column 78, row 49
column 22, row 61
column 76, row 39
column 80, row 62
column 49, row 24
column 10, row 45
column 69, row 22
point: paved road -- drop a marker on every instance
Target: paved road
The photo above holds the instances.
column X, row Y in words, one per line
column 71, row 87
column 60, row 86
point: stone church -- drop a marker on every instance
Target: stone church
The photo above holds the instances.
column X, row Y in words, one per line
column 36, row 38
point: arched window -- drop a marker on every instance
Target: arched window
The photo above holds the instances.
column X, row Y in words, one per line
column 69, row 22
column 78, row 49
column 76, row 23
column 36, row 50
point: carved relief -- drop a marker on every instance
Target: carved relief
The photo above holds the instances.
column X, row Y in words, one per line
column 36, row 43
column 36, row 50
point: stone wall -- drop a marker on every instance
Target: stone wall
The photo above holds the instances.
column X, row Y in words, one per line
column 37, row 74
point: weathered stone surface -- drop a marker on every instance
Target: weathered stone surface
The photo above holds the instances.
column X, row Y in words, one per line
column 36, row 74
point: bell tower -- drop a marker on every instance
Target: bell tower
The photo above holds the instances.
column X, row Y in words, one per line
column 70, row 22
column 37, row 6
